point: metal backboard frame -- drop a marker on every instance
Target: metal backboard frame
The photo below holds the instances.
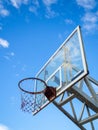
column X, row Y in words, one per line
column 65, row 67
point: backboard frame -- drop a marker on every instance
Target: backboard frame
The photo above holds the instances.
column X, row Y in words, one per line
column 81, row 74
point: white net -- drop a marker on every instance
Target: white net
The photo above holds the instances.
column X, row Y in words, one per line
column 32, row 102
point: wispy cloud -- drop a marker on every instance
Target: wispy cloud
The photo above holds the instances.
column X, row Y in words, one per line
column 49, row 12
column 12, row 53
column 17, row 3
column 3, row 127
column 90, row 18
column 19, row 68
column 86, row 4
column 49, row 2
column 0, row 27
column 4, row 43
column 3, row 12
column 68, row 21
column 35, row 2
column 8, row 56
column 90, row 21
column 34, row 7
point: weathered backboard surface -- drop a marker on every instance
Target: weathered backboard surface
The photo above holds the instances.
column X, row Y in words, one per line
column 66, row 66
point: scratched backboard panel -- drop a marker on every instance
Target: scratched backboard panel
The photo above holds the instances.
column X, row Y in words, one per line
column 67, row 65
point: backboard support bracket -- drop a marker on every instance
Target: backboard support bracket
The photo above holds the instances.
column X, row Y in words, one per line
column 89, row 103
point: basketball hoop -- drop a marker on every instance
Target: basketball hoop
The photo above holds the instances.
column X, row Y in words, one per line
column 34, row 92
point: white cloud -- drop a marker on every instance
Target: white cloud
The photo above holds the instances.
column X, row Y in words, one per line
column 35, row 2
column 68, row 21
column 12, row 53
column 90, row 17
column 0, row 28
column 8, row 56
column 86, row 4
column 49, row 12
column 34, row 7
column 17, row 3
column 49, row 2
column 90, row 21
column 3, row 12
column 4, row 43
column 3, row 127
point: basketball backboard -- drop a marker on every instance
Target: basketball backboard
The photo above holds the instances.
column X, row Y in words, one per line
column 65, row 67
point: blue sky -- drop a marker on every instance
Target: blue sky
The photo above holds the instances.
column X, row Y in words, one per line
column 30, row 32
